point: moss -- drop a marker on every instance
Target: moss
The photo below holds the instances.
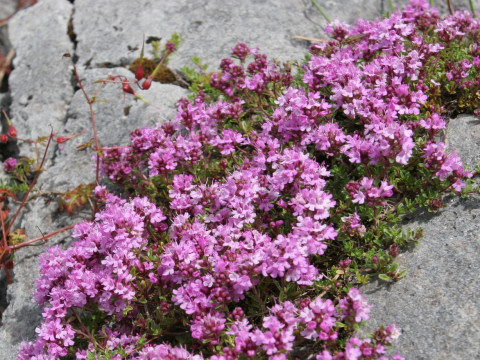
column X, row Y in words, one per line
column 164, row 74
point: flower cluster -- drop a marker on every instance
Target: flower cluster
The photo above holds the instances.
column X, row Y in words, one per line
column 246, row 202
column 313, row 319
column 95, row 271
column 10, row 164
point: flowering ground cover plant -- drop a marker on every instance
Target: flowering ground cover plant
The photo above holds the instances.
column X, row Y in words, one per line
column 255, row 214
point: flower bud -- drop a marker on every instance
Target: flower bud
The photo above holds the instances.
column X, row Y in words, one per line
column 3, row 138
column 393, row 251
column 12, row 132
column 139, row 72
column 147, row 83
column 62, row 139
column 128, row 89
column 345, row 263
column 170, row 46
column 4, row 214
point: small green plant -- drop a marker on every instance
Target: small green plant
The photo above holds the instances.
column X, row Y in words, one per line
column 199, row 79
column 156, row 69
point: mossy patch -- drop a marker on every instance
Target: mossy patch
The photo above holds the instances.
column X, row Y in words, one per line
column 164, row 75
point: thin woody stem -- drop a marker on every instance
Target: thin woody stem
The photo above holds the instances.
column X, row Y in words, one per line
column 92, row 115
column 4, row 233
column 43, row 237
column 37, row 173
column 450, row 9
column 95, row 134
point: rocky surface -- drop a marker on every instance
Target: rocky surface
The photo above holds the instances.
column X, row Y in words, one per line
column 41, row 90
column 209, row 27
column 436, row 304
column 7, row 8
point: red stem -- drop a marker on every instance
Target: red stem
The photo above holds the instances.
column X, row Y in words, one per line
column 450, row 9
column 95, row 135
column 31, row 185
column 4, row 235
column 43, row 237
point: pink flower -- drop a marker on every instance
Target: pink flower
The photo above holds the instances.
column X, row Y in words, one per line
column 10, row 164
column 354, row 307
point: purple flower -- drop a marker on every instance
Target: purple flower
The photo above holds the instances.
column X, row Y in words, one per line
column 240, row 51
column 170, row 46
column 354, row 307
column 10, row 164
column 166, row 351
column 319, row 317
column 208, row 327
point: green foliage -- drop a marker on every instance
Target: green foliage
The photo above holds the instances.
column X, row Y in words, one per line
column 71, row 200
column 199, row 79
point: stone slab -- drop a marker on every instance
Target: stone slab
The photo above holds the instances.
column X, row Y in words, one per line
column 41, row 84
column 209, row 28
column 437, row 304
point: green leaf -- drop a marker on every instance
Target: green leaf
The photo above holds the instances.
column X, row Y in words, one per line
column 401, row 274
column 384, row 277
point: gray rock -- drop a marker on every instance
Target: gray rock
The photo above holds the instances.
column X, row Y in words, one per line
column 209, row 28
column 41, row 89
column 7, row 8
column 437, row 305
column 464, row 137
column 40, row 85
column 115, row 119
column 112, row 35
